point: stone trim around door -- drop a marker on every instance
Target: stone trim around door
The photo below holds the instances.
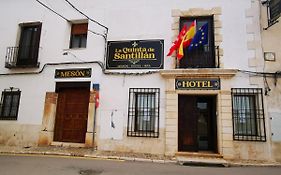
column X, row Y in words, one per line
column 46, row 135
column 224, row 120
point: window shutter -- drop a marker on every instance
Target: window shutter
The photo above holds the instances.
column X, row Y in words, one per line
column 78, row 29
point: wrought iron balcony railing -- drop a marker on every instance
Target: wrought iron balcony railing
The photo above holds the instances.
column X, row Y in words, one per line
column 203, row 57
column 21, row 57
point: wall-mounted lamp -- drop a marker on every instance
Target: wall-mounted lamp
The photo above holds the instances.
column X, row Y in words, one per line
column 269, row 56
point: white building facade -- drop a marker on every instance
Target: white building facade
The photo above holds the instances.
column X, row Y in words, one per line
column 57, row 59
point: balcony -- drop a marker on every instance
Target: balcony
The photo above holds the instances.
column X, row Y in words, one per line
column 22, row 57
column 203, row 57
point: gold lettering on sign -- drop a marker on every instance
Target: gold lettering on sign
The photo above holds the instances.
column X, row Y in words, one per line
column 127, row 53
column 73, row 73
column 198, row 84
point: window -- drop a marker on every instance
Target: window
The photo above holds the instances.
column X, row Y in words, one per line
column 9, row 104
column 143, row 114
column 202, row 56
column 248, row 114
column 26, row 54
column 273, row 11
column 78, row 37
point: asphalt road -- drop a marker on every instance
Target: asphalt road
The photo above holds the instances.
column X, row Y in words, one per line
column 54, row 165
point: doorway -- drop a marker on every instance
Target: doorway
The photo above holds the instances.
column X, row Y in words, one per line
column 72, row 112
column 197, row 123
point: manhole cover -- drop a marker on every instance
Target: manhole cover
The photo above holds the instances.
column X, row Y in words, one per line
column 90, row 172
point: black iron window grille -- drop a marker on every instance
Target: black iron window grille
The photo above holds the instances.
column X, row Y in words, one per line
column 273, row 11
column 143, row 112
column 9, row 104
column 248, row 114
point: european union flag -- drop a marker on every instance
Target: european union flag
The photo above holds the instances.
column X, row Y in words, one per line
column 200, row 38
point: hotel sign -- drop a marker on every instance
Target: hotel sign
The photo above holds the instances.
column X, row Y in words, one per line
column 197, row 84
column 136, row 54
column 73, row 73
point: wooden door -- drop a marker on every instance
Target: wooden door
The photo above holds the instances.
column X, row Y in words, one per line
column 72, row 115
column 187, row 124
column 197, row 123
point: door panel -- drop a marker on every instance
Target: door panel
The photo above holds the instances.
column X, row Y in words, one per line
column 72, row 115
column 197, row 123
column 187, row 124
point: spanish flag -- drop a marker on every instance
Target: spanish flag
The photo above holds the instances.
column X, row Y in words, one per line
column 187, row 39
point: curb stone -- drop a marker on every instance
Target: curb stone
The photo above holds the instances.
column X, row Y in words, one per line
column 127, row 158
column 143, row 160
column 98, row 155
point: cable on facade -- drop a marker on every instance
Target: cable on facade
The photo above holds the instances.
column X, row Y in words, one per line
column 49, row 8
column 265, row 75
column 87, row 16
column 44, row 5
column 54, row 64
column 276, row 74
column 101, row 65
column 106, row 28
column 266, row 88
column 97, row 34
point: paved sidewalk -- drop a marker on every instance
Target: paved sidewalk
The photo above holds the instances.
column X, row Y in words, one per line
column 91, row 153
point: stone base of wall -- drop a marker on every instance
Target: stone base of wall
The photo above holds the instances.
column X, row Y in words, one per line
column 19, row 134
column 276, row 151
column 133, row 144
column 252, row 150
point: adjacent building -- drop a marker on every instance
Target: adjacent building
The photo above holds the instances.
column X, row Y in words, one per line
column 96, row 74
column 271, row 40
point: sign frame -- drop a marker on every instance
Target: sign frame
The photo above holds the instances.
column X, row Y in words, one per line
column 197, row 84
column 73, row 73
column 135, row 54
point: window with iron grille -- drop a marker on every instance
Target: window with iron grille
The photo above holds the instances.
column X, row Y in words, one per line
column 143, row 113
column 248, row 114
column 273, row 11
column 9, row 104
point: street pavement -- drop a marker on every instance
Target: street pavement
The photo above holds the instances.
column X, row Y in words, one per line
column 69, row 165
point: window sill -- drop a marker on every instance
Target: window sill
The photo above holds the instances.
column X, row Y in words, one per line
column 8, row 119
column 10, row 66
column 74, row 49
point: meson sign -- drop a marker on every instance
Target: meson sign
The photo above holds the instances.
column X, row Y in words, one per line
column 73, row 73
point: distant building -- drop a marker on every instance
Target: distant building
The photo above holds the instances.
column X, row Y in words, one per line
column 96, row 74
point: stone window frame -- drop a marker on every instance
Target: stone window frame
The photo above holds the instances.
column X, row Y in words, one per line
column 195, row 12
